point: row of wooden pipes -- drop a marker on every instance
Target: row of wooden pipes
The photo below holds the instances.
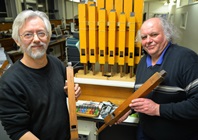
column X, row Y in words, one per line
column 108, row 31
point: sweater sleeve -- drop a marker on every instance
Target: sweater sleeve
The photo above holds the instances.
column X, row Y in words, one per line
column 188, row 108
column 13, row 111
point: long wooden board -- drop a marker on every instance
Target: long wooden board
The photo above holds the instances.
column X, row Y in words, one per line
column 72, row 103
column 145, row 89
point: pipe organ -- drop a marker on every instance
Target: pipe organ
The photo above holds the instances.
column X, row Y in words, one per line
column 107, row 33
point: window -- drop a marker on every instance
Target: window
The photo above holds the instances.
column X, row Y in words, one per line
column 184, row 17
column 3, row 12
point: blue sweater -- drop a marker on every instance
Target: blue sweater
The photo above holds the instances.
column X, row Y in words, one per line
column 34, row 100
column 177, row 95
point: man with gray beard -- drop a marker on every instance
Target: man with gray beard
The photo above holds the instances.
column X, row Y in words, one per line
column 32, row 91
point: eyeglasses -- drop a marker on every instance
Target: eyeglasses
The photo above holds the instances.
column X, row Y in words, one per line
column 30, row 35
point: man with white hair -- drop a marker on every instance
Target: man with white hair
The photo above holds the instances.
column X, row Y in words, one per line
column 32, row 92
column 170, row 111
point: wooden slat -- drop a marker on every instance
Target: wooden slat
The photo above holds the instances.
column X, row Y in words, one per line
column 131, row 40
column 122, row 39
column 93, row 34
column 4, row 65
column 145, row 89
column 112, row 37
column 72, row 103
column 102, row 36
column 84, row 45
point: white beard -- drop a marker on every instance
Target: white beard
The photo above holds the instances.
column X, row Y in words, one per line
column 36, row 54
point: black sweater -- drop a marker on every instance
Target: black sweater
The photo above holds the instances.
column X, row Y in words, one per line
column 177, row 95
column 34, row 100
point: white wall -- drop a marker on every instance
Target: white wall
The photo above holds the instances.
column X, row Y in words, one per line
column 71, row 9
column 189, row 36
column 171, row 16
column 60, row 5
column 152, row 8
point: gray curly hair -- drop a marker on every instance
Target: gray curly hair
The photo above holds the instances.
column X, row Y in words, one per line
column 171, row 32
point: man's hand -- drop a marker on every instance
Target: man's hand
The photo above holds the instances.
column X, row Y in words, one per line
column 146, row 106
column 76, row 88
column 124, row 117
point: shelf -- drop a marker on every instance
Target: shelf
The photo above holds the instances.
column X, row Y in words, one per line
column 114, row 83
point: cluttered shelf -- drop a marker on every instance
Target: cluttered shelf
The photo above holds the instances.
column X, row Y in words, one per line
column 91, row 116
column 97, row 111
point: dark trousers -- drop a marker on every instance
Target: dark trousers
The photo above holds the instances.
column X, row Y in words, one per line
column 194, row 137
column 141, row 135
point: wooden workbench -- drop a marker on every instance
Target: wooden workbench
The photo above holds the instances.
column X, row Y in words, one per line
column 115, row 89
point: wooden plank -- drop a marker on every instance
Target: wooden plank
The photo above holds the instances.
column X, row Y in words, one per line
column 4, row 65
column 145, row 89
column 93, row 36
column 102, row 36
column 84, row 45
column 72, row 103
column 122, row 39
column 112, row 37
column 131, row 40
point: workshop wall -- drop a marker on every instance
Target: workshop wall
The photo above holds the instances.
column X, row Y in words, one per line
column 189, row 30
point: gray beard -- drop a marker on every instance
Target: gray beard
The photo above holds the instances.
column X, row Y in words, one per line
column 36, row 54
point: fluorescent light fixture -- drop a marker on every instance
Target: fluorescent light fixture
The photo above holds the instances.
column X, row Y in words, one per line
column 166, row 3
column 75, row 0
